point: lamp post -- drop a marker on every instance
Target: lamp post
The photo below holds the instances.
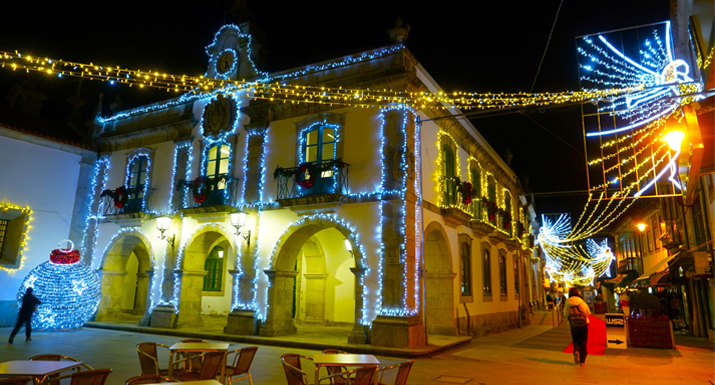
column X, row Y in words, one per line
column 238, row 220
column 162, row 224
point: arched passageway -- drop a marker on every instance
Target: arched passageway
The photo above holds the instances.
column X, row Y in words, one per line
column 439, row 282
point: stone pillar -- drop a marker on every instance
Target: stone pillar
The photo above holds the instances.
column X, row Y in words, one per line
column 398, row 235
column 256, row 141
column 279, row 317
column 358, row 335
column 192, row 283
column 242, row 319
column 163, row 316
column 88, row 235
column 440, row 303
column 182, row 159
column 110, row 305
column 81, row 209
column 146, row 299
column 315, row 298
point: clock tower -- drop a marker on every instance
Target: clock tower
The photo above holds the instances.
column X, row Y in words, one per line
column 233, row 53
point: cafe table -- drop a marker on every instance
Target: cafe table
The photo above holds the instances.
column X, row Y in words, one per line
column 347, row 360
column 201, row 382
column 38, row 370
column 198, row 347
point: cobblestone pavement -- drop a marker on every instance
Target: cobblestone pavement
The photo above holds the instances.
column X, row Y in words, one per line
column 489, row 360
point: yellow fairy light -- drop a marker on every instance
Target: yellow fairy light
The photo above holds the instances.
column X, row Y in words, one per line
column 23, row 239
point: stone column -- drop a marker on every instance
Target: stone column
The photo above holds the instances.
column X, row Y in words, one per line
column 146, row 317
column 315, row 298
column 242, row 320
column 398, row 236
column 88, row 235
column 110, row 305
column 182, row 159
column 440, row 303
column 81, row 209
column 192, row 283
column 256, row 141
column 358, row 335
column 279, row 318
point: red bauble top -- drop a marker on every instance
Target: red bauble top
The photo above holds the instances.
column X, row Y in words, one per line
column 64, row 256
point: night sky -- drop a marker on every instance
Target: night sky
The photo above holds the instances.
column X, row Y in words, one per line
column 465, row 45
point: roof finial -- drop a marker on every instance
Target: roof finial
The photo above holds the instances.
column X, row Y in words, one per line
column 400, row 32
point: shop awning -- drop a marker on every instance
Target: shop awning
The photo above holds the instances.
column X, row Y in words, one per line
column 659, row 267
column 620, row 280
column 660, row 279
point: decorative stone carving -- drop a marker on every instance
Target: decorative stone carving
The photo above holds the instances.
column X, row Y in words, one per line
column 219, row 116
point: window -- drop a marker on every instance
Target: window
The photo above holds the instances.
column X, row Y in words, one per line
column 136, row 182
column 492, row 196
column 507, row 208
column 319, row 146
column 477, row 189
column 516, row 278
column 466, row 269
column 448, row 183
column 3, row 231
column 487, row 274
column 502, row 274
column 217, row 161
column 214, row 268
column 656, row 231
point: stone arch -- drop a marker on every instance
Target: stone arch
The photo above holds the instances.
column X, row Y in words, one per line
column 190, row 270
column 278, row 318
column 439, row 281
column 117, row 280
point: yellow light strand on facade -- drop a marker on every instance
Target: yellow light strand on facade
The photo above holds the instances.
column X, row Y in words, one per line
column 23, row 240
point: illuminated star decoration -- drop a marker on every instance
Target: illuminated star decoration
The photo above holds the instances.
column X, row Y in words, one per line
column 30, row 282
column 79, row 286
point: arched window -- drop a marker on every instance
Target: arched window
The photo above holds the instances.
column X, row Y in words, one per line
column 477, row 188
column 448, row 180
column 492, row 196
column 136, row 183
column 465, row 269
column 487, row 274
column 214, row 270
column 502, row 274
column 217, row 162
column 516, row 278
column 319, row 146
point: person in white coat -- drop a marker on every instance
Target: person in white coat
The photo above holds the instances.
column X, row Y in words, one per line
column 577, row 313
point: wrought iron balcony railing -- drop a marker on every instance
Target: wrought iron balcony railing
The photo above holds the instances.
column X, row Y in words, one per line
column 628, row 265
column 320, row 178
column 125, row 200
column 204, row 191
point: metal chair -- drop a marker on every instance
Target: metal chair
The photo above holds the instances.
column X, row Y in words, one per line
column 148, row 379
column 16, row 381
column 403, row 370
column 149, row 359
column 241, row 364
column 336, row 369
column 359, row 376
column 193, row 365
column 294, row 359
column 89, row 377
column 294, row 376
column 210, row 367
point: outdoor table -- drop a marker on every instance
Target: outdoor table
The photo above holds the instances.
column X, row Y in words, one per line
column 38, row 370
column 353, row 360
column 202, row 382
column 200, row 347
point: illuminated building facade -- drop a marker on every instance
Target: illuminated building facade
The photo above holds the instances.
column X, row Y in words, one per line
column 275, row 214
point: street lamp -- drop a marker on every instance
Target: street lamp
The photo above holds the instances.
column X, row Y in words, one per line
column 348, row 245
column 641, row 226
column 162, row 224
column 674, row 138
column 238, row 220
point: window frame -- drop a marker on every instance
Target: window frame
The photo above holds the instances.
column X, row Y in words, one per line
column 503, row 290
column 216, row 277
column 486, row 273
column 465, row 269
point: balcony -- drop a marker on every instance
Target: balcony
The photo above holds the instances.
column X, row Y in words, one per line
column 628, row 265
column 208, row 193
column 312, row 183
column 123, row 200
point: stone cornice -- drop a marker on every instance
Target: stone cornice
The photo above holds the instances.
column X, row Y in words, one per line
column 146, row 137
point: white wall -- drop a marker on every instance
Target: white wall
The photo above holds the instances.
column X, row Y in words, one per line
column 45, row 180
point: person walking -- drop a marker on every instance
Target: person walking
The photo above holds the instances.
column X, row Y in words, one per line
column 29, row 304
column 577, row 312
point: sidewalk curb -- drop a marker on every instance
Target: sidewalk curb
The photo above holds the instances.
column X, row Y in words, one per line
column 255, row 340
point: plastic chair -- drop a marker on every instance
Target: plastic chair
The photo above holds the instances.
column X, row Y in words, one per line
column 89, row 377
column 241, row 364
column 57, row 357
column 148, row 358
column 16, row 381
column 148, row 379
column 403, row 370
column 210, row 367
